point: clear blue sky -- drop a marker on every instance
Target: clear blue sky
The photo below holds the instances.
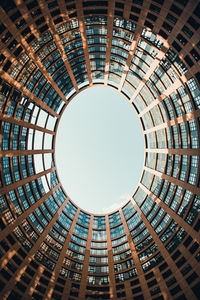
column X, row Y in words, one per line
column 99, row 150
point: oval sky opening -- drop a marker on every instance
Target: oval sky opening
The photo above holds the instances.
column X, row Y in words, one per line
column 99, row 150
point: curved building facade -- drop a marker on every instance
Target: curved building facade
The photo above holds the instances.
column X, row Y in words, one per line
column 149, row 51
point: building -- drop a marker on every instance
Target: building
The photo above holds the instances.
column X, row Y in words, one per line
column 150, row 52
